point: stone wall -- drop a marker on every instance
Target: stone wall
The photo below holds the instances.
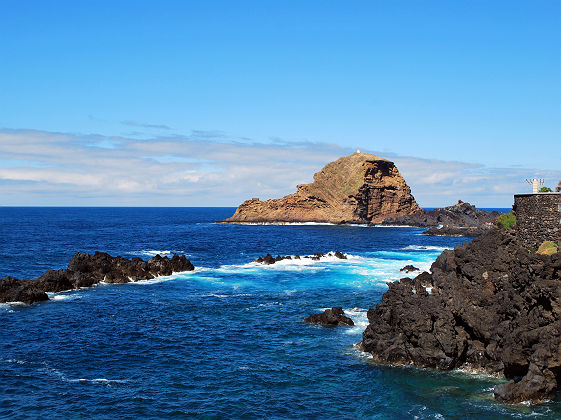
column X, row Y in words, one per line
column 538, row 218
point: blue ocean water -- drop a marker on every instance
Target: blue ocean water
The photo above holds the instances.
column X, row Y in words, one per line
column 226, row 340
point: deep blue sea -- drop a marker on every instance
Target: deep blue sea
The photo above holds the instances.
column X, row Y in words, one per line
column 226, row 340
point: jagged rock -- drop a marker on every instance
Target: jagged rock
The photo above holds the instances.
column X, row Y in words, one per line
column 268, row 259
column 360, row 188
column 409, row 268
column 14, row 290
column 461, row 219
column 489, row 305
column 85, row 270
column 330, row 317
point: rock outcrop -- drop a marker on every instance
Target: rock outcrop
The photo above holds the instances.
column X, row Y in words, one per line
column 461, row 219
column 360, row 188
column 86, row 270
column 269, row 259
column 330, row 317
column 489, row 305
column 409, row 268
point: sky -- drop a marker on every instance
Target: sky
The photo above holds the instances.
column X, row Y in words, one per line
column 194, row 103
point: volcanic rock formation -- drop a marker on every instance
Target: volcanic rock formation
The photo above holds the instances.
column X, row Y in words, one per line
column 330, row 317
column 360, row 188
column 269, row 259
column 461, row 219
column 85, row 270
column 489, row 305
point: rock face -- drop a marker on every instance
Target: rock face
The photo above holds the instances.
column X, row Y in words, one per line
column 85, row 270
column 360, row 188
column 459, row 215
column 330, row 317
column 489, row 305
column 461, row 219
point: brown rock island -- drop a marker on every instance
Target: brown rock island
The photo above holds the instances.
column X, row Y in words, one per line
column 360, row 188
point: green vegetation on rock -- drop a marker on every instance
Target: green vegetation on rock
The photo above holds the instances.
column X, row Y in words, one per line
column 545, row 189
column 548, row 248
column 506, row 220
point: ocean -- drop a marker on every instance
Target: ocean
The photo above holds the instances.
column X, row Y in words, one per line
column 226, row 340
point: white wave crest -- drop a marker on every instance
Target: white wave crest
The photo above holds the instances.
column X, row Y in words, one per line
column 101, row 380
column 395, row 226
column 425, row 248
column 302, row 224
column 293, row 264
column 154, row 252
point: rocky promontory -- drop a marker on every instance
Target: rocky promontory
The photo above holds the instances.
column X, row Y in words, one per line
column 360, row 188
column 490, row 306
column 461, row 219
column 86, row 270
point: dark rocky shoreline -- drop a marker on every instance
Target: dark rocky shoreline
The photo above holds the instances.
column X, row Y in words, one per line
column 86, row 270
column 461, row 219
column 490, row 306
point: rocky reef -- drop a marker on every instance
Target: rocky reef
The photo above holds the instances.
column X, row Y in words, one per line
column 269, row 259
column 461, row 219
column 330, row 317
column 360, row 188
column 86, row 270
column 491, row 306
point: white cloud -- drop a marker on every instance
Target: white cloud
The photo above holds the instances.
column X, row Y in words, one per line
column 43, row 168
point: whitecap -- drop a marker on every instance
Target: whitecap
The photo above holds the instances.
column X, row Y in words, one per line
column 395, row 226
column 154, row 252
column 296, row 264
column 100, row 380
column 301, row 224
column 64, row 296
column 216, row 295
column 425, row 248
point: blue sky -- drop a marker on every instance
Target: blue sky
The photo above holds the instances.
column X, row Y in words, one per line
column 469, row 91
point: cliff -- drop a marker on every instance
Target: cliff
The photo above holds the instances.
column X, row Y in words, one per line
column 490, row 305
column 360, row 188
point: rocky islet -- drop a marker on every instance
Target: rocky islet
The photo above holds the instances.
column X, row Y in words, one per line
column 360, row 188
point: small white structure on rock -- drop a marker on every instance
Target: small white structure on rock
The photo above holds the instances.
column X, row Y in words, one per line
column 535, row 183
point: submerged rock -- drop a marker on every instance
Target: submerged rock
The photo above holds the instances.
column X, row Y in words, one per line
column 85, row 270
column 330, row 317
column 360, row 188
column 490, row 305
